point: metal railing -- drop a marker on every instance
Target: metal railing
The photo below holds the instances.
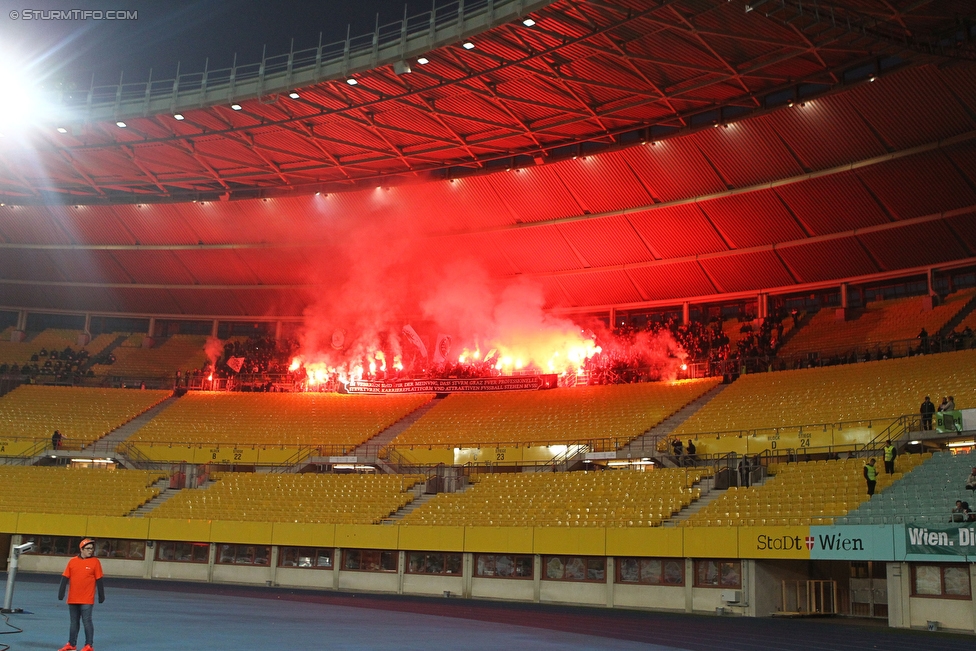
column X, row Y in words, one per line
column 387, row 43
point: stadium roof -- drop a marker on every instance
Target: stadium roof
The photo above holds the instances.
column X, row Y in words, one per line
column 777, row 154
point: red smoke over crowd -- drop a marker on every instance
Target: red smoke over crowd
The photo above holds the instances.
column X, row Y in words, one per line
column 399, row 302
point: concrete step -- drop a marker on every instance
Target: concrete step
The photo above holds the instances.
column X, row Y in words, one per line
column 370, row 448
column 165, row 493
column 107, row 444
column 410, row 508
column 645, row 445
column 708, row 496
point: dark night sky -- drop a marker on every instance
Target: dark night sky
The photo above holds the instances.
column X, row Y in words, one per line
column 168, row 31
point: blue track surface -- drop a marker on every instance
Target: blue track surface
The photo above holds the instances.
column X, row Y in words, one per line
column 158, row 615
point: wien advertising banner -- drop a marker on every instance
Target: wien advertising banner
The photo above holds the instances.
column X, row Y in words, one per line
column 853, row 543
column 941, row 540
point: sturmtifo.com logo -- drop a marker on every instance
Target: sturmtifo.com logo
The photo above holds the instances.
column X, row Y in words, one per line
column 73, row 14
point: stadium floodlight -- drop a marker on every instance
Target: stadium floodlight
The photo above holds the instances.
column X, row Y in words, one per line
column 120, row 124
column 528, row 22
column 62, row 130
column 20, row 102
column 236, row 107
column 178, row 116
column 423, row 61
column 293, row 95
column 468, row 45
column 351, row 81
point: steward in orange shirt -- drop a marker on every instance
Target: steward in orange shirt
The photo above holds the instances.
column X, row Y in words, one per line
column 82, row 577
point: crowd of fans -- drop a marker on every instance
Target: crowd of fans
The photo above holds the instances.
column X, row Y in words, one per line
column 62, row 366
column 630, row 353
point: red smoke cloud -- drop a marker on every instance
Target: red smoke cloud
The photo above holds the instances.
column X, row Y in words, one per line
column 384, row 273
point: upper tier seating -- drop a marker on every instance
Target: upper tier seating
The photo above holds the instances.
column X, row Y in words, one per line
column 82, row 415
column 310, row 497
column 51, row 340
column 877, row 323
column 591, row 499
column 287, row 419
column 799, row 494
column 872, row 390
column 927, row 495
column 179, row 352
column 75, row 491
column 619, row 412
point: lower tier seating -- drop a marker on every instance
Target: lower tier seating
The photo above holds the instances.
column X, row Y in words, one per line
column 799, row 494
column 75, row 491
column 588, row 499
column 927, row 495
column 310, row 498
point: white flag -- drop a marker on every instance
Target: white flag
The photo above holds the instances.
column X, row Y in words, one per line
column 442, row 348
column 415, row 339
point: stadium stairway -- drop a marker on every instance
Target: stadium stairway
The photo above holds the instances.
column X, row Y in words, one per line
column 165, row 493
column 963, row 312
column 421, row 499
column 367, row 451
column 108, row 443
column 708, row 495
column 645, row 445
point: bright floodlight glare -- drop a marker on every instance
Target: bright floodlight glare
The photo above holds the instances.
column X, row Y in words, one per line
column 528, row 22
column 62, row 130
column 351, row 81
column 19, row 103
column 294, row 95
column 468, row 45
column 423, row 61
column 120, row 124
column 236, row 107
column 178, row 116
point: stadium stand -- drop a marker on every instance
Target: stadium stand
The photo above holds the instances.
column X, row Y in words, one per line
column 82, row 415
column 75, row 491
column 619, row 413
column 873, row 390
column 969, row 321
column 51, row 339
column 878, row 323
column 927, row 495
column 287, row 419
column 179, row 352
column 589, row 499
column 309, row 498
column 798, row 494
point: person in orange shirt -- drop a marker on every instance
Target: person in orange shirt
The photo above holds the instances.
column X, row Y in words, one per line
column 82, row 577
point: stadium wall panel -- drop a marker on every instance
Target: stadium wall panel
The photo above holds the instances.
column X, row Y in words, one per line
column 433, row 539
column 117, row 527
column 657, row 541
column 303, row 534
column 514, row 540
column 249, row 533
column 711, row 542
column 583, row 541
column 365, row 536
